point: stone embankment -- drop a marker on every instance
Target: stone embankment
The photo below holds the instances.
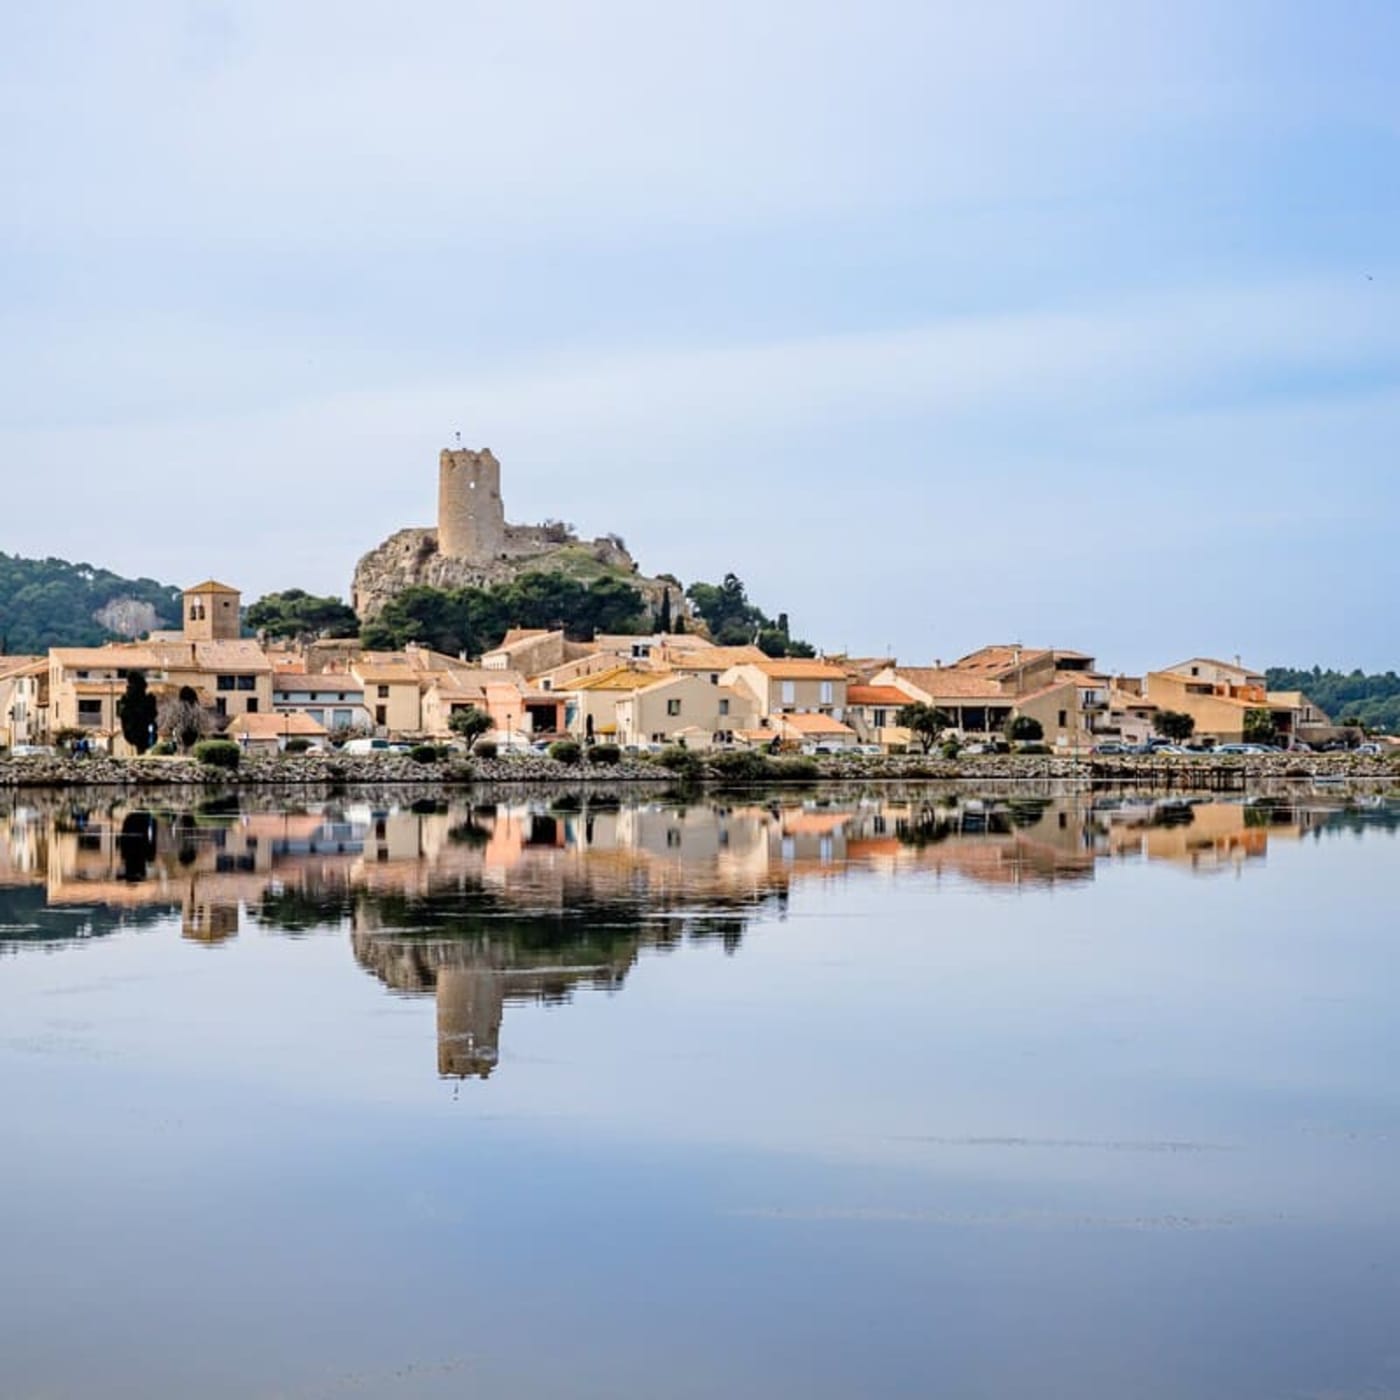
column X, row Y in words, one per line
column 371, row 770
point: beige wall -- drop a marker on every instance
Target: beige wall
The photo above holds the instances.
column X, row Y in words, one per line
column 777, row 695
column 646, row 715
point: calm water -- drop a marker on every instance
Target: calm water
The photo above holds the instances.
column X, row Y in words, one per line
column 886, row 1095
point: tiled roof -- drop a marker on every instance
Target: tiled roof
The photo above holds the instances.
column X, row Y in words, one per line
column 289, row 723
column 816, row 724
column 875, row 695
column 212, row 586
column 128, row 658
column 709, row 658
column 619, row 678
column 947, row 683
column 12, row 665
column 797, row 669
column 321, row 682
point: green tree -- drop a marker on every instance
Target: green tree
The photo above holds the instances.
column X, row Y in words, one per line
column 137, row 711
column 297, row 613
column 663, row 621
column 1259, row 727
column 1024, row 729
column 1173, row 725
column 925, row 722
column 470, row 724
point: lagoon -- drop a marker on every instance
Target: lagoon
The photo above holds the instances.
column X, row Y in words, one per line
column 890, row 1092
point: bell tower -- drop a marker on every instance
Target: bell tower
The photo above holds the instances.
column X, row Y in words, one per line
column 212, row 613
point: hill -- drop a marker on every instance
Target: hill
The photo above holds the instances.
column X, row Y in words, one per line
column 1374, row 700
column 51, row 603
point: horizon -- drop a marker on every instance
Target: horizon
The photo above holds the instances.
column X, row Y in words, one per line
column 1050, row 325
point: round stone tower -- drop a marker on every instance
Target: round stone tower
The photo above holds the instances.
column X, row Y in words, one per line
column 471, row 516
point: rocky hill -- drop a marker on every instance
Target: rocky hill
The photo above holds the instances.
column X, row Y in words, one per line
column 51, row 603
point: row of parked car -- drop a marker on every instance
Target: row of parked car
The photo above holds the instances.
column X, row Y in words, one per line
column 1112, row 747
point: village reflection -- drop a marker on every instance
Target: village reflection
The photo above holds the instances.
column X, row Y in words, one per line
column 481, row 905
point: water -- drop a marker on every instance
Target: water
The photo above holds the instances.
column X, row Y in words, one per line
column 887, row 1094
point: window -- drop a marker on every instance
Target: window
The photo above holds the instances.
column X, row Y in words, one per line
column 789, row 692
column 89, row 713
column 383, row 692
column 247, row 682
column 673, row 707
column 1064, row 718
column 341, row 719
column 227, row 682
column 877, row 718
column 826, row 693
column 252, row 705
column 724, row 706
column 381, row 714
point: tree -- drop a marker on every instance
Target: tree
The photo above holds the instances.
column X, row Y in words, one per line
column 183, row 718
column 297, row 613
column 1259, row 727
column 1173, row 725
column 663, row 622
column 925, row 722
column 137, row 712
column 470, row 724
column 1024, row 729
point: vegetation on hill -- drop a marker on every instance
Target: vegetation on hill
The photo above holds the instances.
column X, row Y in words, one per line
column 51, row 603
column 297, row 613
column 734, row 621
column 473, row 620
column 1346, row 696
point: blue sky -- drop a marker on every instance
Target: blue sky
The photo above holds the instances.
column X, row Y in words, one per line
column 1072, row 324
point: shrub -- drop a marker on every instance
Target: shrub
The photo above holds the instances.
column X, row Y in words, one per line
column 605, row 753
column 460, row 771
column 741, row 765
column 165, row 748
column 1034, row 748
column 485, row 748
column 566, row 751
column 682, row 762
column 424, row 753
column 218, row 753
column 951, row 749
column 298, row 745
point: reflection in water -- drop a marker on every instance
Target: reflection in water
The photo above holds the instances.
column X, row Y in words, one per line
column 525, row 900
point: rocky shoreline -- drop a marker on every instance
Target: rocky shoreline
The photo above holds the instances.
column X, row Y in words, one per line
column 320, row 770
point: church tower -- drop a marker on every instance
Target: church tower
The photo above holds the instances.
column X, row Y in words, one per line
column 212, row 613
column 471, row 516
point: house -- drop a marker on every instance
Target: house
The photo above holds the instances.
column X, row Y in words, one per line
column 590, row 709
column 270, row 733
column 24, row 695
column 680, row 707
column 1220, row 698
column 791, row 686
column 711, row 662
column 334, row 699
column 871, row 711
column 821, row 730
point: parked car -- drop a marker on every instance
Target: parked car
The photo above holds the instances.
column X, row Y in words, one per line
column 31, row 751
column 363, row 746
column 869, row 750
column 1368, row 748
column 1112, row 747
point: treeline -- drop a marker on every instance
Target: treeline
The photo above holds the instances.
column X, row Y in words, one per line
column 51, row 603
column 1373, row 700
column 734, row 621
column 473, row 620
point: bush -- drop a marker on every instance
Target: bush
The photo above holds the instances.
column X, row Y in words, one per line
column 682, row 762
column 741, row 765
column 218, row 753
column 566, row 751
column 1037, row 749
column 485, row 748
column 298, row 745
column 424, row 753
column 165, row 748
column 952, row 749
column 605, row 753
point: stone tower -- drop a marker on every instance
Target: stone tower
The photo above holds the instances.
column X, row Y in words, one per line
column 471, row 516
column 212, row 613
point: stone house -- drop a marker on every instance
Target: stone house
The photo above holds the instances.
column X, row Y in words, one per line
column 791, row 686
column 689, row 706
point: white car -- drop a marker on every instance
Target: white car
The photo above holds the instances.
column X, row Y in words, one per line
column 31, row 751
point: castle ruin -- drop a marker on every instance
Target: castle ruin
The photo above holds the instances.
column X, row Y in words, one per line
column 474, row 545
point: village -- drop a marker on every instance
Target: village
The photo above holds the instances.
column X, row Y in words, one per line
column 640, row 693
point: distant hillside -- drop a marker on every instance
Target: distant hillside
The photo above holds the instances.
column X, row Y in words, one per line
column 1375, row 700
column 51, row 603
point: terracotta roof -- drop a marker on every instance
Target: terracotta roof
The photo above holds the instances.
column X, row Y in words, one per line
column 212, row 586
column 816, row 724
column 242, row 654
column 317, row 683
column 797, row 669
column 128, row 658
column 946, row 683
column 619, row 678
column 875, row 695
column 716, row 658
column 288, row 723
column 997, row 659
column 12, row 665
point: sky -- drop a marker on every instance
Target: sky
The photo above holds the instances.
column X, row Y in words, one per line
column 1072, row 324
